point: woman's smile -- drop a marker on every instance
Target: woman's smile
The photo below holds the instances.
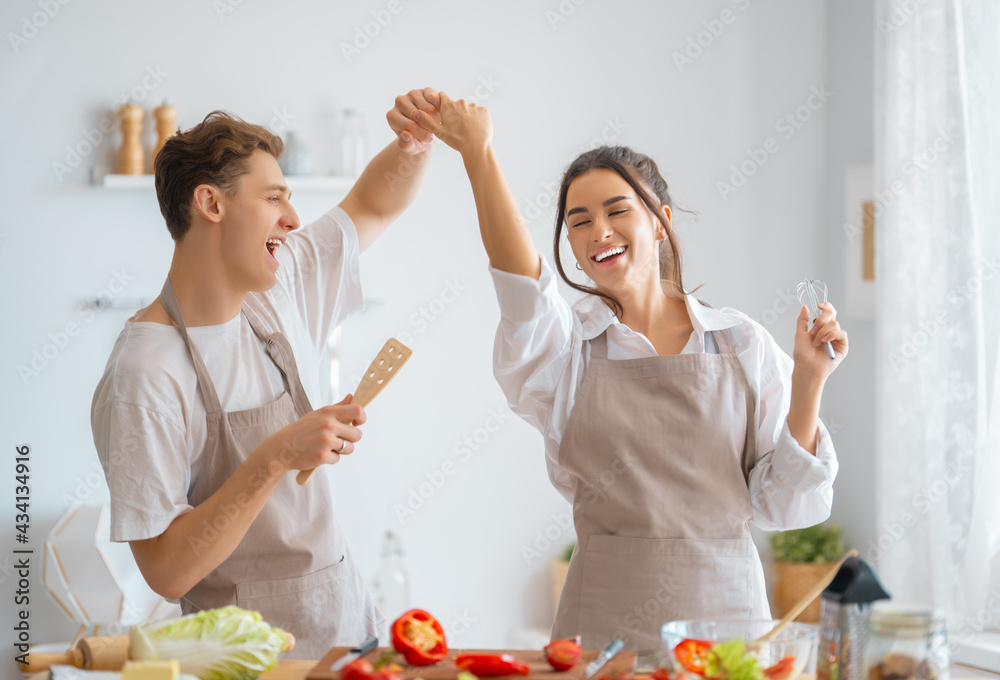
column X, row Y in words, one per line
column 609, row 256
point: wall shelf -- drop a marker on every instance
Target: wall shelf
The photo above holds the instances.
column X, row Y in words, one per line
column 295, row 182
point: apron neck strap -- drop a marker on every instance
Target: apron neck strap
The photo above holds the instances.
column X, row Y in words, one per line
column 173, row 309
column 280, row 351
column 599, row 346
column 723, row 340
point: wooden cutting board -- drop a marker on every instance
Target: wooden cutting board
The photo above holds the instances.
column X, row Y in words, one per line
column 446, row 669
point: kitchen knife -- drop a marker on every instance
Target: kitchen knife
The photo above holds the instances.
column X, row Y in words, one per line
column 365, row 647
column 605, row 656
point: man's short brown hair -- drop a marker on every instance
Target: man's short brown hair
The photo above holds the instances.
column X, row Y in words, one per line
column 213, row 152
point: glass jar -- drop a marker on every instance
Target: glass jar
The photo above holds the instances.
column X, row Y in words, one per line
column 907, row 643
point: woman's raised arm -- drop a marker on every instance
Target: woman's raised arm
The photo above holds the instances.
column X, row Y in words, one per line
column 468, row 129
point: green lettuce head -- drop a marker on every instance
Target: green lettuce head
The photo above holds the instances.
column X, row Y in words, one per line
column 214, row 644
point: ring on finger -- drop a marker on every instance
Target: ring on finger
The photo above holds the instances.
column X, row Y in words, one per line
column 343, row 445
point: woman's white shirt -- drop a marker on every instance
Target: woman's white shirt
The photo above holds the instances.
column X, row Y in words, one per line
column 542, row 349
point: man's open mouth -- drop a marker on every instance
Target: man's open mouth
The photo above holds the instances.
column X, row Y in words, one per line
column 272, row 245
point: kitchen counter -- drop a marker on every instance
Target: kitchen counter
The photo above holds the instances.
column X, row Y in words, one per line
column 296, row 670
column 289, row 669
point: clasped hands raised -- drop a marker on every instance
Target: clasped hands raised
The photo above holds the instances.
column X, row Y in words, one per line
column 421, row 115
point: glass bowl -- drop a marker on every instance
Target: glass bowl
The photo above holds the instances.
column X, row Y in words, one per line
column 783, row 658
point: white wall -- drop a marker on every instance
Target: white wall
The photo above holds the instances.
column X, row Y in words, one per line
column 849, row 402
column 608, row 68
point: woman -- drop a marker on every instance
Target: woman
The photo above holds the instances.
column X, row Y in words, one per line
column 668, row 424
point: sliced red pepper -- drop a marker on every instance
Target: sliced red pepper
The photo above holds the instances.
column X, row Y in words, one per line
column 563, row 654
column 693, row 654
column 668, row 674
column 419, row 638
column 489, row 665
column 781, row 670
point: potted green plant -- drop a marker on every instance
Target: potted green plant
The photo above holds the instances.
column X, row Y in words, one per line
column 799, row 559
column 558, row 569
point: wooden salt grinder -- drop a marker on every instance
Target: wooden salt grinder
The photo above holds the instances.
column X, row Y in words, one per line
column 130, row 157
column 166, row 125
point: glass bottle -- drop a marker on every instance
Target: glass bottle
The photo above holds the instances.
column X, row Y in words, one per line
column 296, row 159
column 907, row 643
column 352, row 143
column 392, row 584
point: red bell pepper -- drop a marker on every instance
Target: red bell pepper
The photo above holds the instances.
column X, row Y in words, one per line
column 489, row 665
column 693, row 654
column 563, row 654
column 781, row 670
column 419, row 638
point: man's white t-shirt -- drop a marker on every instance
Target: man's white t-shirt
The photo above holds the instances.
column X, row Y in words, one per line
column 148, row 416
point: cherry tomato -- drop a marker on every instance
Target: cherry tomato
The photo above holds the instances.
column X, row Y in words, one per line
column 563, row 654
column 359, row 669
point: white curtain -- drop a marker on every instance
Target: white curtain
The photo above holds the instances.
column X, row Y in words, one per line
column 937, row 181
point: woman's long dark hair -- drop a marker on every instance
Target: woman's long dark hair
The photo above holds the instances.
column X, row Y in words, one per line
column 640, row 171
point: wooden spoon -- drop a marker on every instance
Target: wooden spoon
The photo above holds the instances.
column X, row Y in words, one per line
column 807, row 600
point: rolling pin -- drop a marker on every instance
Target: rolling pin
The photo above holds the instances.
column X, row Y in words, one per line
column 97, row 653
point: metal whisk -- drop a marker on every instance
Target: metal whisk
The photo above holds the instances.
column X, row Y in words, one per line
column 811, row 292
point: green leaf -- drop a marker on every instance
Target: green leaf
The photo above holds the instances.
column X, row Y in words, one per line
column 730, row 660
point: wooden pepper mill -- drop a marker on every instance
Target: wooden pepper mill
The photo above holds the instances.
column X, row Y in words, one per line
column 166, row 125
column 130, row 157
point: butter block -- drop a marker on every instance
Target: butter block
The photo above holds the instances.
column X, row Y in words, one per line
column 151, row 670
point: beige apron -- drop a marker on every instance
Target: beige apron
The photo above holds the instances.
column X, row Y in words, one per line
column 659, row 451
column 293, row 564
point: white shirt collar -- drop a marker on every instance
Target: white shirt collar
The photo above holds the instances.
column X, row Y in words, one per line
column 596, row 317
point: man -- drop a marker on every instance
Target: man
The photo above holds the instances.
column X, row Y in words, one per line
column 206, row 404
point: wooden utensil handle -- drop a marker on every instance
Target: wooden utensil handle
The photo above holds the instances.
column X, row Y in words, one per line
column 801, row 605
column 105, row 652
column 42, row 661
column 304, row 475
column 383, row 369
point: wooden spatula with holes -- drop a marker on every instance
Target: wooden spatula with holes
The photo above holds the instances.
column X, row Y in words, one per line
column 383, row 368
